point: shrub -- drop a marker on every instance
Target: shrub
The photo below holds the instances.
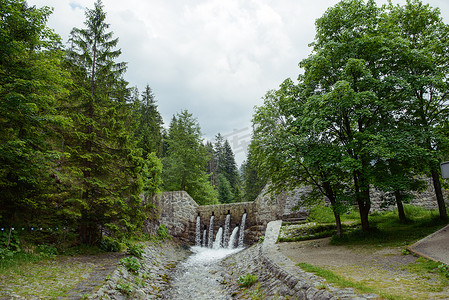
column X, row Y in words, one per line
column 136, row 250
column 131, row 264
column 247, row 280
column 13, row 245
column 124, row 288
column 162, row 232
column 48, row 251
column 108, row 244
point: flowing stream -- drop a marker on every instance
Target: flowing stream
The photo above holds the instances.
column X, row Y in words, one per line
column 200, row 276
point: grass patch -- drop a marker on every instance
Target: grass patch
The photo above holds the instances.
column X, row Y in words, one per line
column 425, row 267
column 388, row 230
column 341, row 282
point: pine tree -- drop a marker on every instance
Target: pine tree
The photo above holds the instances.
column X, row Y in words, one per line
column 104, row 162
column 149, row 131
column 186, row 160
column 252, row 182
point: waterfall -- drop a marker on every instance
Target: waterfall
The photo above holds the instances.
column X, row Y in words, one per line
column 211, row 232
column 218, row 239
column 204, row 238
column 242, row 230
column 224, row 238
column 198, row 231
column 233, row 237
column 226, row 231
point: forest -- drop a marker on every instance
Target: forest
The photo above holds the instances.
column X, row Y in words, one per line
column 79, row 146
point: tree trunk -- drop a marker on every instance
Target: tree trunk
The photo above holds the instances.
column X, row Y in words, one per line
column 330, row 195
column 439, row 194
column 338, row 222
column 363, row 200
column 401, row 212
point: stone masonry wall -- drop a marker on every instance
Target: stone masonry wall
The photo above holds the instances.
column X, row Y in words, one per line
column 177, row 211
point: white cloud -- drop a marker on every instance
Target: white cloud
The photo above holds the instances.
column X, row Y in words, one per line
column 214, row 58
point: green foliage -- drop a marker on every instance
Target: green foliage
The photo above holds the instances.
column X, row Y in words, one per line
column 247, row 280
column 16, row 259
column 257, row 294
column 225, row 194
column 9, row 240
column 103, row 169
column 427, row 266
column 47, row 251
column 367, row 110
column 444, row 270
column 149, row 129
column 132, row 264
column 309, row 231
column 389, row 230
column 109, row 244
column 31, row 84
column 162, row 232
column 252, row 181
column 186, row 160
column 321, row 214
column 152, row 175
column 136, row 250
column 124, row 288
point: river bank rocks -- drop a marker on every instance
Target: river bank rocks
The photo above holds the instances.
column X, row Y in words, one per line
column 144, row 278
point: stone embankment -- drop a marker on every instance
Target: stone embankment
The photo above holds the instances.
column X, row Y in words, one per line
column 278, row 277
column 151, row 279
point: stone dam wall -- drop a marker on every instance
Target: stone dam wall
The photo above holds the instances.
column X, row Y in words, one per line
column 178, row 211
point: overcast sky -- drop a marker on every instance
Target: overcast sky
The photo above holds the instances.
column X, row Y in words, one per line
column 215, row 58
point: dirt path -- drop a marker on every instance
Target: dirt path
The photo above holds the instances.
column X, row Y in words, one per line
column 384, row 268
column 60, row 278
column 102, row 267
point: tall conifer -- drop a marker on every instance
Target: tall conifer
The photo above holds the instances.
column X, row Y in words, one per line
column 104, row 160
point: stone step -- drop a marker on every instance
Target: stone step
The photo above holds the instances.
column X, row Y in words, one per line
column 294, row 220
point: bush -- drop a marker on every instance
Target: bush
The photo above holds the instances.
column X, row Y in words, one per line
column 162, row 232
column 109, row 245
column 136, row 250
column 14, row 244
column 48, row 251
column 131, row 264
column 124, row 288
column 247, row 280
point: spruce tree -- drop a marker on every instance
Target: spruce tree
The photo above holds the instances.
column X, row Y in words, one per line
column 104, row 162
column 186, row 160
column 149, row 131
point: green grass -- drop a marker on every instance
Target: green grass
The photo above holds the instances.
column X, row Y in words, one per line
column 339, row 281
column 17, row 260
column 388, row 230
column 385, row 227
column 424, row 267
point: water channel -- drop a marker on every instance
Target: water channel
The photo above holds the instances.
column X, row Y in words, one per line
column 201, row 276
